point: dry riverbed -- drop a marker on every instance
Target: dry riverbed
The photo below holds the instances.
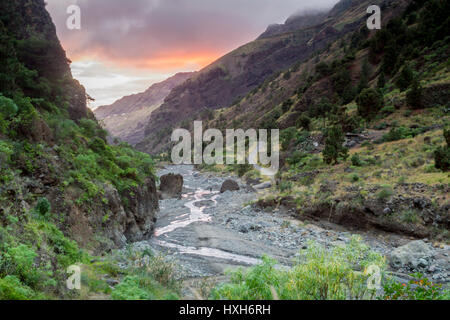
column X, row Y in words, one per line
column 207, row 233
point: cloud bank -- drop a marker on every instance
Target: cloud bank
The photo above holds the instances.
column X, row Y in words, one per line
column 166, row 36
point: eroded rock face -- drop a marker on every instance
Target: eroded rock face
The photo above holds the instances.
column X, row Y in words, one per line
column 229, row 185
column 171, row 186
column 133, row 216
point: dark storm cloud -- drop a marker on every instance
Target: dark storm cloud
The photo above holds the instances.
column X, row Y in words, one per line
column 151, row 33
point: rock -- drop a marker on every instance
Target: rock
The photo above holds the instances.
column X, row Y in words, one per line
column 264, row 185
column 252, row 181
column 423, row 263
column 171, row 186
column 351, row 144
column 245, row 228
column 387, row 211
column 410, row 255
column 229, row 185
column 136, row 222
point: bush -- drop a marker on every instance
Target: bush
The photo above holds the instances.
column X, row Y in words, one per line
column 356, row 161
column 420, row 288
column 286, row 106
column 8, row 108
column 369, row 103
column 129, row 289
column 323, row 69
column 19, row 262
column 385, row 193
column 12, row 289
column 319, row 274
column 43, row 207
column 442, row 158
column 387, row 110
column 296, row 158
column 304, row 122
column 399, row 133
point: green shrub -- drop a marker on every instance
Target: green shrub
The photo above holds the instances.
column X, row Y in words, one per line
column 356, row 161
column 385, row 193
column 319, row 274
column 129, row 289
column 399, row 133
column 304, row 122
column 442, row 158
column 420, row 288
column 43, row 207
column 8, row 108
column 387, row 110
column 296, row 158
column 354, row 177
column 12, row 289
column 287, row 105
column 19, row 261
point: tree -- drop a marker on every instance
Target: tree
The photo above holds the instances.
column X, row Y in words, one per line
column 334, row 145
column 442, row 154
column 364, row 76
column 405, row 78
column 414, row 95
column 381, row 81
column 369, row 103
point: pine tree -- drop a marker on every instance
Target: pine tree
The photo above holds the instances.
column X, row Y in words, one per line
column 381, row 81
column 414, row 95
column 334, row 145
column 369, row 103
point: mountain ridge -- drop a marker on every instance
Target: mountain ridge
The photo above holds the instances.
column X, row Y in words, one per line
column 125, row 118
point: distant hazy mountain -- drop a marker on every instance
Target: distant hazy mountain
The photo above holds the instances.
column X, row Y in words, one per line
column 126, row 118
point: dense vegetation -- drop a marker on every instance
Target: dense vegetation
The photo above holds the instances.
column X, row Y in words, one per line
column 54, row 160
column 340, row 273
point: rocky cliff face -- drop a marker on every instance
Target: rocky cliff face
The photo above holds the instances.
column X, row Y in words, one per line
column 54, row 160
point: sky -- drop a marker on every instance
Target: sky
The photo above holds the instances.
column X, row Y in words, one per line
column 124, row 46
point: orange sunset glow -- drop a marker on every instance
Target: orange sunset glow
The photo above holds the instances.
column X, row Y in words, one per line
column 123, row 47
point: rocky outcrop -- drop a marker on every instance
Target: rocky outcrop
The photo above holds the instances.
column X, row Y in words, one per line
column 414, row 254
column 132, row 217
column 229, row 185
column 171, row 186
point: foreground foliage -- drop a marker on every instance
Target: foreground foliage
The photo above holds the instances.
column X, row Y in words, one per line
column 320, row 274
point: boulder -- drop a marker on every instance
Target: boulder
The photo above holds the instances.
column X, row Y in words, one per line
column 411, row 255
column 264, row 185
column 229, row 185
column 171, row 186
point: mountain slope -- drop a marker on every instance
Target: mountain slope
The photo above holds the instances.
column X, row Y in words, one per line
column 62, row 188
column 364, row 126
column 126, row 118
column 241, row 71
